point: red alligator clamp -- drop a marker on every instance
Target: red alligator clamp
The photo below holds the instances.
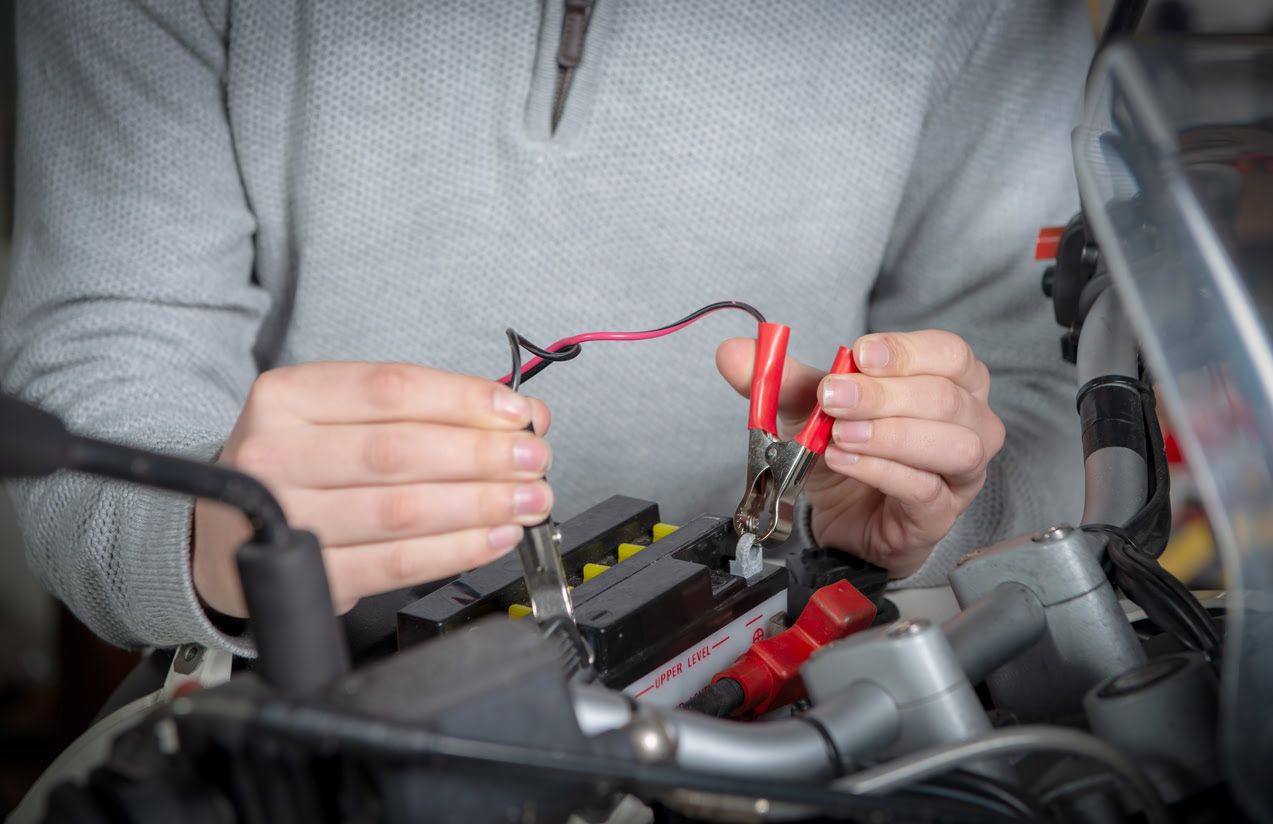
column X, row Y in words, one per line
column 769, row 672
column 777, row 469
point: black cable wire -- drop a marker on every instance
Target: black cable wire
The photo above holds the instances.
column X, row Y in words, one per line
column 718, row 699
column 1132, row 550
column 326, row 728
column 549, row 356
column 974, row 787
column 1167, row 602
column 1015, row 799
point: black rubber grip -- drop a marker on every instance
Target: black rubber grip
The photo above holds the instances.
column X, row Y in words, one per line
column 300, row 643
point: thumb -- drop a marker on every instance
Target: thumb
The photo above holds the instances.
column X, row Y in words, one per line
column 736, row 357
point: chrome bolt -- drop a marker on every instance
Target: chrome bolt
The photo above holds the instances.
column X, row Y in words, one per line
column 904, row 628
column 1054, row 534
column 651, row 738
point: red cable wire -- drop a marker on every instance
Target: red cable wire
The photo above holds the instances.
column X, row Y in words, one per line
column 585, row 337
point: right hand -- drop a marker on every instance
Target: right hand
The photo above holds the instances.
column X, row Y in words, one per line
column 407, row 474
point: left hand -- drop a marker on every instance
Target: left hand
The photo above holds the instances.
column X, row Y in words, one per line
column 913, row 435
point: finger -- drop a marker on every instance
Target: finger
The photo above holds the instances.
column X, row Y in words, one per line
column 542, row 418
column 328, row 457
column 367, row 515
column 344, row 392
column 931, row 352
column 927, row 397
column 910, row 486
column 369, row 569
column 946, row 449
column 736, row 359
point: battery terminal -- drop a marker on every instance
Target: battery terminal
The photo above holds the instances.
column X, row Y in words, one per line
column 591, row 570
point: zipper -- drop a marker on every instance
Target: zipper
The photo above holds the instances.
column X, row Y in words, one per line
column 574, row 30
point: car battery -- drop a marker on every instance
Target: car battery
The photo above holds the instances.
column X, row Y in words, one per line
column 656, row 602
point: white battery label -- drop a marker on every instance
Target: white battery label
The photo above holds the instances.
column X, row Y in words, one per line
column 677, row 680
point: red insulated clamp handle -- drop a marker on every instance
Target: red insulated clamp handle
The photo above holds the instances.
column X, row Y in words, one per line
column 817, row 432
column 766, row 376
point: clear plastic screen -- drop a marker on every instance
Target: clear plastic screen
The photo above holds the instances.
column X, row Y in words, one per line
column 1175, row 165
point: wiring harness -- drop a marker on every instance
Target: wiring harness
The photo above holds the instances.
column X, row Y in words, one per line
column 1132, row 550
column 570, row 347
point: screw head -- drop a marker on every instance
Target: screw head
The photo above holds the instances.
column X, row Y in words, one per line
column 191, row 652
column 1054, row 534
column 906, row 628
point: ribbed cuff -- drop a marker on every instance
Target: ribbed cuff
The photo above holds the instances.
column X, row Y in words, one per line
column 154, row 547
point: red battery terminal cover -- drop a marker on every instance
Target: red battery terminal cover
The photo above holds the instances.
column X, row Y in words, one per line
column 769, row 672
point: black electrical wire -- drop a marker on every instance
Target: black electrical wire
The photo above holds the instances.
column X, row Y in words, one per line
column 1013, row 797
column 1167, row 602
column 976, row 788
column 549, row 355
column 516, row 343
column 718, row 699
column 1132, row 550
column 322, row 727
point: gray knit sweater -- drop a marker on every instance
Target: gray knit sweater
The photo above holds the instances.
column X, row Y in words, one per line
column 208, row 189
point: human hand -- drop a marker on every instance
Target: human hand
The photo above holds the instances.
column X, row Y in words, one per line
column 913, row 435
column 407, row 474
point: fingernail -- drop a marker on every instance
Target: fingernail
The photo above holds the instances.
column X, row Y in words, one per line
column 529, row 499
column 852, row 431
column 840, row 393
column 837, row 459
column 531, row 455
column 874, row 354
column 511, row 405
column 504, row 538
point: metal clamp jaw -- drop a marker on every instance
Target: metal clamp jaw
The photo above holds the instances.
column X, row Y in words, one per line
column 777, row 469
column 548, row 593
column 776, row 472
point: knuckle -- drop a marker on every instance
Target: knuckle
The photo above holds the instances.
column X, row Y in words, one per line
column 256, row 455
column 386, row 385
column 873, row 396
column 948, row 400
column 401, row 562
column 969, row 453
column 268, row 390
column 889, row 435
column 495, row 503
column 960, row 354
column 473, row 551
column 928, row 488
column 399, row 510
column 983, row 375
column 998, row 435
column 386, row 452
column 491, row 453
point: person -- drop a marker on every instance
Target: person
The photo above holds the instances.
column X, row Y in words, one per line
column 288, row 237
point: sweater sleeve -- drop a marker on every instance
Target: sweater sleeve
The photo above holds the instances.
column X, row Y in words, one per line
column 131, row 312
column 993, row 166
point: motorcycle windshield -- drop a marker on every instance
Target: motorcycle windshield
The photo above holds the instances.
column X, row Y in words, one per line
column 1174, row 158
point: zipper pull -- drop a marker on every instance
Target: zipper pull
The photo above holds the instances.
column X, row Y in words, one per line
column 574, row 25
